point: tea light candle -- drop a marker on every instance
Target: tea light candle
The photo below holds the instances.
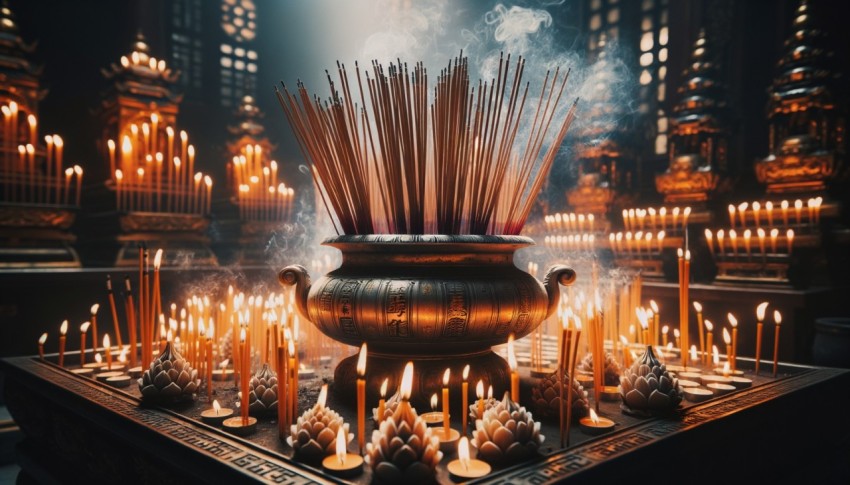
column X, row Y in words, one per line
column 434, row 417
column 119, row 381
column 82, row 371
column 63, row 329
column 719, row 388
column 97, row 364
column 216, row 414
column 696, row 394
column 343, row 464
column 685, row 383
column 465, row 468
column 594, row 425
column 103, row 376
column 610, row 393
column 739, row 382
column 710, row 379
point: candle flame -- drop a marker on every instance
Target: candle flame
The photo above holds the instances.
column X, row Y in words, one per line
column 384, row 387
column 760, row 310
column 242, row 336
column 742, row 206
column 727, row 339
column 340, row 446
column 708, row 325
column 642, row 317
column 732, row 320
column 361, row 361
column 157, row 259
column 63, row 329
column 726, row 368
column 94, row 309
column 434, row 401
column 694, row 353
column 169, row 336
column 106, row 342
column 98, row 358
column 680, row 253
column 777, row 317
column 122, row 357
column 784, row 205
column 463, row 452
column 511, row 355
column 716, row 354
column 42, row 339
column 466, row 372
column 406, row 381
column 84, row 327
column 490, row 391
column 593, row 416
column 798, row 204
column 323, row 396
column 676, row 332
column 479, row 388
column 697, row 306
column 653, row 305
column 216, row 407
column 624, row 340
column 446, row 376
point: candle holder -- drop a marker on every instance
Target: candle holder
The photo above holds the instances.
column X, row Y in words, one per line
column 262, row 392
column 506, row 434
column 403, row 296
column 170, row 379
column 546, row 397
column 648, row 389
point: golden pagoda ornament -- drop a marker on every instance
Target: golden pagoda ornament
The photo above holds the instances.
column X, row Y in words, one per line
column 698, row 135
column 161, row 200
column 39, row 191
column 807, row 123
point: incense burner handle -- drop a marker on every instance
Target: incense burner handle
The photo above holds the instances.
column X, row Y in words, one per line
column 297, row 276
column 556, row 276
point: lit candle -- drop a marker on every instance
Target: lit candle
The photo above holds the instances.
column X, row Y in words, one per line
column 343, row 464
column 734, row 323
column 83, row 329
column 215, row 415
column 768, row 207
column 465, row 397
column 727, row 339
column 789, row 240
column 694, row 354
column 742, row 213
column 63, row 329
column 512, row 363
column 107, row 348
column 685, row 214
column 777, row 318
column 733, row 237
column 656, row 320
column 774, row 235
column 464, row 468
column 798, row 210
column 709, row 339
column 675, row 217
column 663, row 213
column 361, row 399
column 708, row 240
column 732, row 215
column 43, row 339
column 756, row 212
column 479, row 392
column 698, row 308
column 761, row 235
column 594, row 425
column 244, row 376
column 446, row 418
column 382, row 403
column 720, row 248
column 676, row 335
column 784, row 206
column 94, row 341
column 664, row 331
column 760, row 309
column 747, row 236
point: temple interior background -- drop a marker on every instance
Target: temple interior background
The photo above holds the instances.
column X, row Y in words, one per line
column 716, row 128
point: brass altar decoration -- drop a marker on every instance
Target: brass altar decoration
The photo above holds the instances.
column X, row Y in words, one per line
column 807, row 123
column 404, row 295
column 264, row 200
column 698, row 133
column 599, row 157
column 39, row 193
column 161, row 200
column 431, row 205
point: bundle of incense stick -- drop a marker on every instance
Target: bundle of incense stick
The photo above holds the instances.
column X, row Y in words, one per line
column 392, row 163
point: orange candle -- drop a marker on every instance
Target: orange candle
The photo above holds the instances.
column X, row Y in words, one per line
column 41, row 341
column 446, row 419
column 94, row 341
column 734, row 323
column 243, row 377
column 777, row 318
column 760, row 309
column 479, row 392
column 83, row 329
column 464, row 411
column 107, row 348
column 63, row 329
column 512, row 363
column 382, row 403
column 361, row 399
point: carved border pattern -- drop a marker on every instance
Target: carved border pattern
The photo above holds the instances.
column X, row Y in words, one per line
column 266, row 467
column 559, row 465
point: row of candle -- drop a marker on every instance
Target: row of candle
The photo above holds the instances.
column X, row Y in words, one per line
column 638, row 244
column 30, row 172
column 656, row 220
column 570, row 221
column 757, row 213
column 260, row 195
column 749, row 243
column 571, row 242
column 155, row 172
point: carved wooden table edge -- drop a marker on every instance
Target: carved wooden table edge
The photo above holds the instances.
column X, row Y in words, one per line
column 227, row 457
column 571, row 462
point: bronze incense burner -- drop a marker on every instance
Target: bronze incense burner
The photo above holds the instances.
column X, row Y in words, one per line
column 439, row 300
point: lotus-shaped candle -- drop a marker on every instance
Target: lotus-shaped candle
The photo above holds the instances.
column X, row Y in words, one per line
column 547, row 397
column 647, row 388
column 169, row 379
column 262, row 392
column 506, row 434
column 314, row 434
column 389, row 408
column 404, row 450
column 612, row 368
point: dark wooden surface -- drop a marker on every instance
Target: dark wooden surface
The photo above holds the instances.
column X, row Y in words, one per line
column 78, row 429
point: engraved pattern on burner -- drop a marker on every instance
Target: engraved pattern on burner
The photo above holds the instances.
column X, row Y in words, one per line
column 559, row 465
column 262, row 466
